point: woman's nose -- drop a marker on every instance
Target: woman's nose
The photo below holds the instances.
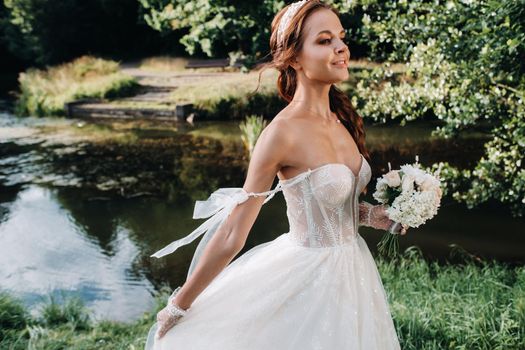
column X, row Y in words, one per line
column 341, row 48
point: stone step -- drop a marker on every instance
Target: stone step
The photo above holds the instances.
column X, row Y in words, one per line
column 100, row 109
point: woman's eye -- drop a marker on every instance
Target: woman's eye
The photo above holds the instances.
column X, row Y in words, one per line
column 327, row 41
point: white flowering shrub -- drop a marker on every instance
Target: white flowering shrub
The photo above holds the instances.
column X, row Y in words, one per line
column 465, row 65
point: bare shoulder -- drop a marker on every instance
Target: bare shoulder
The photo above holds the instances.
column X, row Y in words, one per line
column 273, row 145
column 278, row 132
column 285, row 125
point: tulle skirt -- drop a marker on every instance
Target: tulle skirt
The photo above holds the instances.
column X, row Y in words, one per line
column 280, row 295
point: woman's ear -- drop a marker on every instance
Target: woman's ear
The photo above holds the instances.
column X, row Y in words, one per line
column 295, row 64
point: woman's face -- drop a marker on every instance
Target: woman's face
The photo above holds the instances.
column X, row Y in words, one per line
column 324, row 55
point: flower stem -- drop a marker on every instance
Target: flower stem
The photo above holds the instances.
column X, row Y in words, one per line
column 388, row 245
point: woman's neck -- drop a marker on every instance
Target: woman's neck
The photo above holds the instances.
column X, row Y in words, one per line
column 315, row 99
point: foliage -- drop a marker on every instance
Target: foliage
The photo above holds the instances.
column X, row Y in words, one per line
column 216, row 27
column 49, row 32
column 466, row 69
column 44, row 92
column 471, row 305
column 251, row 128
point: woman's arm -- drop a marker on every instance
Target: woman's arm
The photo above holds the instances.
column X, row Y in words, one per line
column 375, row 216
column 231, row 236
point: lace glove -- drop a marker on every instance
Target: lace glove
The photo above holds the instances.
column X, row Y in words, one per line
column 169, row 316
column 376, row 216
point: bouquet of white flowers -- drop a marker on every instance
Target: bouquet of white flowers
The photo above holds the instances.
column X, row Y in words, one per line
column 411, row 195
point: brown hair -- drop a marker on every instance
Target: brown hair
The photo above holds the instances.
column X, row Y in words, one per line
column 283, row 54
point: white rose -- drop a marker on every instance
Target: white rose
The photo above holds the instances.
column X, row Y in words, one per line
column 427, row 185
column 392, row 178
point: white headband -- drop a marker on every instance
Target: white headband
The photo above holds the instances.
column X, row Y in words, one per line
column 287, row 17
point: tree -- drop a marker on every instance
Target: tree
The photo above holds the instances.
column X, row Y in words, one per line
column 53, row 31
column 216, row 27
column 466, row 65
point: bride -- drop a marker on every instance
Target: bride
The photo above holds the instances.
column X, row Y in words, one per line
column 316, row 286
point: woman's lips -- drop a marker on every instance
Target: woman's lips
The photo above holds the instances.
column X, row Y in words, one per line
column 340, row 64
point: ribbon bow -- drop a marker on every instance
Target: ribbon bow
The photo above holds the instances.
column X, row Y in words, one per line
column 217, row 207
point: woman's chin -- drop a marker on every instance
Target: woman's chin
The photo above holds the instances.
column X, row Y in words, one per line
column 340, row 74
column 340, row 78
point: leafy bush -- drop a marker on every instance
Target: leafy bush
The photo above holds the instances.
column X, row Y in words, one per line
column 466, row 69
column 215, row 27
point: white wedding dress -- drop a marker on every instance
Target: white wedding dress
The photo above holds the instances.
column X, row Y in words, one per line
column 314, row 287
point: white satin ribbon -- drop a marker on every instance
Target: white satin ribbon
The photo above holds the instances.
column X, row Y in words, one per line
column 217, row 207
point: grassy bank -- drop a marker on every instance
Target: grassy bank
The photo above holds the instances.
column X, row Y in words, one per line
column 471, row 305
column 216, row 94
column 230, row 97
column 44, row 92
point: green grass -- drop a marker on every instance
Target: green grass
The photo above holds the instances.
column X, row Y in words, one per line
column 44, row 92
column 229, row 96
column 474, row 305
column 470, row 305
column 64, row 323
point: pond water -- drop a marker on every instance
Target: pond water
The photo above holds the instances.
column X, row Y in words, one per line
column 80, row 214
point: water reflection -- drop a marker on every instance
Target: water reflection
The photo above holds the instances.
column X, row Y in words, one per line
column 44, row 250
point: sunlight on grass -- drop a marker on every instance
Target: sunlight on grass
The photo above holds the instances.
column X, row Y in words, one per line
column 164, row 63
column 44, row 92
column 217, row 88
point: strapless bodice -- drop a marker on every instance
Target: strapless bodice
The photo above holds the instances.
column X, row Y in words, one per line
column 322, row 204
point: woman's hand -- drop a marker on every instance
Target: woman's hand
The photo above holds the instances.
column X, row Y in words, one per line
column 397, row 228
column 376, row 216
column 170, row 315
column 165, row 321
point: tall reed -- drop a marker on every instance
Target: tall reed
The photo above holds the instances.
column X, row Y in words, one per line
column 251, row 128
